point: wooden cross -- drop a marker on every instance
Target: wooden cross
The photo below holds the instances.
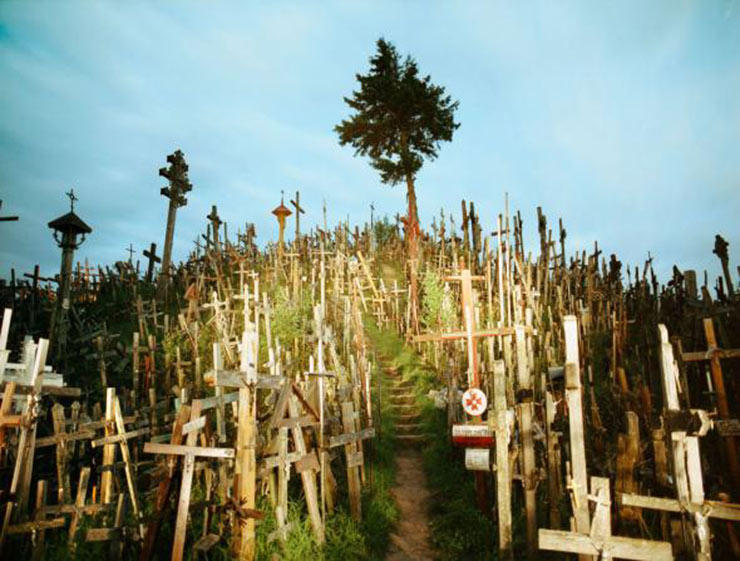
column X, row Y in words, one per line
column 130, row 250
column 298, row 211
column 215, row 225
column 151, row 254
column 713, row 354
column 23, row 469
column 7, row 218
column 579, row 483
column 470, row 333
column 599, row 541
column 121, row 438
column 164, row 489
column 503, row 472
column 189, row 452
column 687, row 469
column 114, row 534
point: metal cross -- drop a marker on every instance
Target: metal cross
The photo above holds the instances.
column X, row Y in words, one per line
column 72, row 199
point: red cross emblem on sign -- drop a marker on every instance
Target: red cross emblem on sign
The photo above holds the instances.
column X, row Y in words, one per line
column 474, row 402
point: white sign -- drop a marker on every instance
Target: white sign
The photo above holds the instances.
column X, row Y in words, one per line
column 474, row 402
column 471, row 431
column 477, row 459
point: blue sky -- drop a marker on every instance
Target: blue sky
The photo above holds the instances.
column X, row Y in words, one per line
column 623, row 118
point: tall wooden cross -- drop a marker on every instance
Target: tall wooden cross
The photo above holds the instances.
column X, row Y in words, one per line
column 215, row 225
column 151, row 254
column 471, row 334
column 179, row 185
column 298, row 211
column 189, row 452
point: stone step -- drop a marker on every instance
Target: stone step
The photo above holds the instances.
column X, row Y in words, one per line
column 408, row 429
column 401, row 398
column 402, row 387
column 409, row 418
column 401, row 395
column 410, row 439
column 405, row 407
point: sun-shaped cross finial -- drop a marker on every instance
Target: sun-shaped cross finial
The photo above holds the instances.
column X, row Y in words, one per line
column 72, row 199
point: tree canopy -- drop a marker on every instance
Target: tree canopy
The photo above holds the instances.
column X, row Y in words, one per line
column 400, row 118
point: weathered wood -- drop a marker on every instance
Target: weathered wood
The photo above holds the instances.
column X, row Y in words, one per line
column 344, row 439
column 39, row 546
column 579, row 482
column 109, row 451
column 184, row 450
column 79, row 503
column 23, row 468
column 713, row 509
column 503, row 477
column 526, row 414
column 620, row 548
column 600, row 542
column 353, row 475
column 163, row 491
column 308, row 477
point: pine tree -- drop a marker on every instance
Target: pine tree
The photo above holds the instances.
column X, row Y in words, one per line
column 399, row 120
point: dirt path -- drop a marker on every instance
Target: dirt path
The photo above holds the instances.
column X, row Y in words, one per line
column 410, row 540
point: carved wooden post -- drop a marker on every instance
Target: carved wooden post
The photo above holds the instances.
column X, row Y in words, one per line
column 177, row 175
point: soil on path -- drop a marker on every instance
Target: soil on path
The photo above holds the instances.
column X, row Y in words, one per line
column 410, row 539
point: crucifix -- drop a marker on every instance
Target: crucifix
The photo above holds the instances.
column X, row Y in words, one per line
column 179, row 184
column 713, row 354
column 687, row 468
column 720, row 250
column 215, row 225
column 599, row 541
column 151, row 254
column 298, row 211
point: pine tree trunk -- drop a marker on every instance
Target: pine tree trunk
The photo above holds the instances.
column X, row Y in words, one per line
column 412, row 240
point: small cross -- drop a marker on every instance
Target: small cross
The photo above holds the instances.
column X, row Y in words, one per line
column 151, row 253
column 130, row 249
column 72, row 199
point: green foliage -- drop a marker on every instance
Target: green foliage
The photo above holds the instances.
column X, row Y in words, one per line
column 291, row 318
column 437, row 311
column 384, row 231
column 400, row 118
